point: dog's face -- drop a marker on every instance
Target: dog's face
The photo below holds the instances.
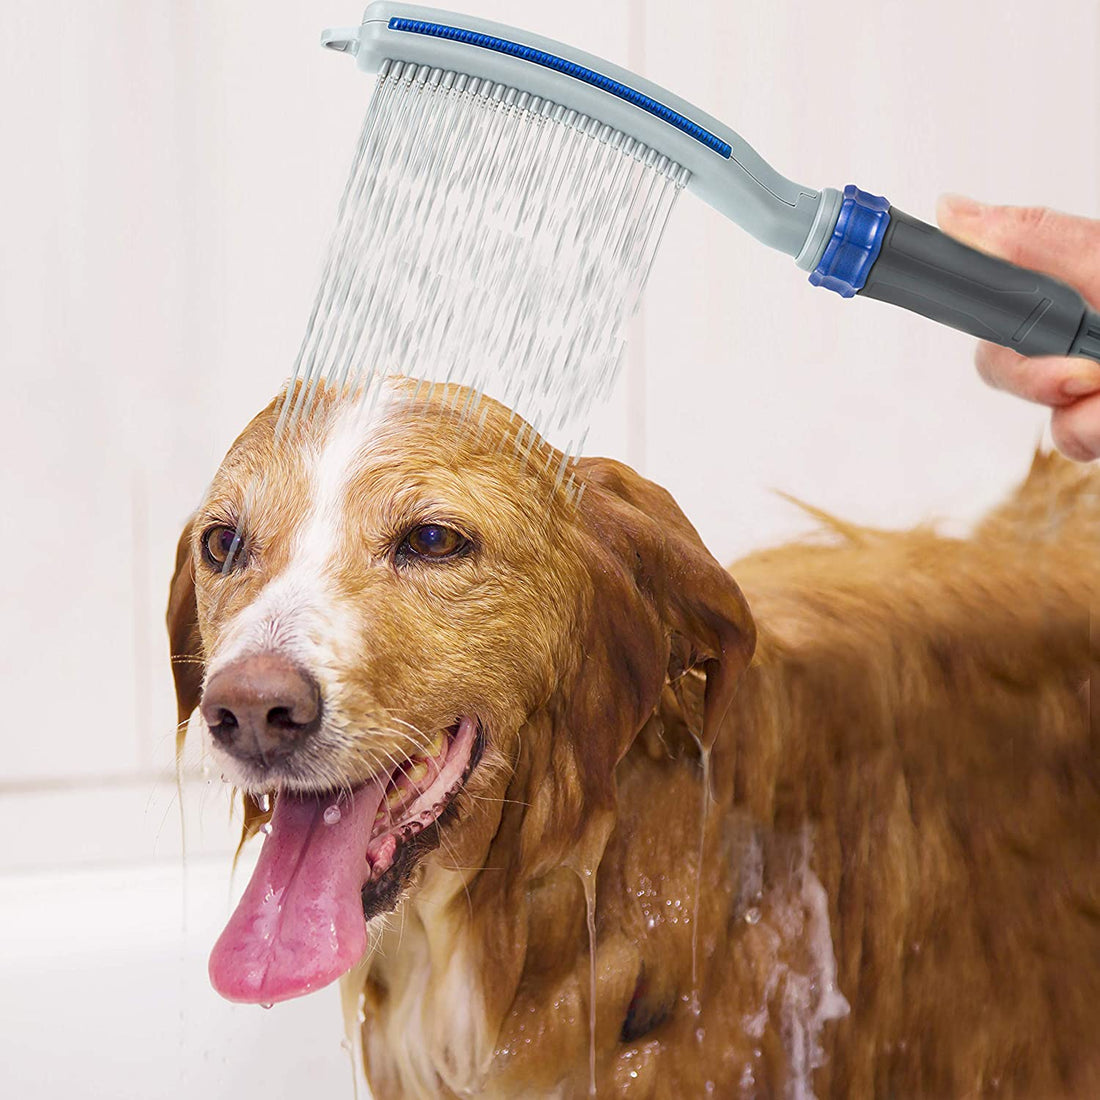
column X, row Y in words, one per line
column 383, row 602
column 412, row 575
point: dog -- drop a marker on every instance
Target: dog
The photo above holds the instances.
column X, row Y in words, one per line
column 568, row 819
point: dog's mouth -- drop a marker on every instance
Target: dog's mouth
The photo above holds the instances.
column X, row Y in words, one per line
column 330, row 863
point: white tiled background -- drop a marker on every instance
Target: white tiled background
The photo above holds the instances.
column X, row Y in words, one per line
column 168, row 175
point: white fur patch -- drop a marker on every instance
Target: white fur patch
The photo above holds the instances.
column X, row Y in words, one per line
column 297, row 613
column 426, row 956
column 278, row 618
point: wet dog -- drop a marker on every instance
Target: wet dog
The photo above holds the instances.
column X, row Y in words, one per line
column 567, row 815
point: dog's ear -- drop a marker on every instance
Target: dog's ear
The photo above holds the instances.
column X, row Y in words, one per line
column 185, row 644
column 661, row 605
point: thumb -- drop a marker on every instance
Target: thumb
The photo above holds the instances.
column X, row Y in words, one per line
column 1061, row 245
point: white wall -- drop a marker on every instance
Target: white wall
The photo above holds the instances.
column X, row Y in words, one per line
column 169, row 176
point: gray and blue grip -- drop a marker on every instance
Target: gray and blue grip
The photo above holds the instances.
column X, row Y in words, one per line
column 881, row 252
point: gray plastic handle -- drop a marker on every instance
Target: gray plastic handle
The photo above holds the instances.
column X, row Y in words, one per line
column 923, row 270
column 740, row 185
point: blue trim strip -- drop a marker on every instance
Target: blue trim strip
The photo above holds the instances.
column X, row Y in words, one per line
column 855, row 243
column 568, row 68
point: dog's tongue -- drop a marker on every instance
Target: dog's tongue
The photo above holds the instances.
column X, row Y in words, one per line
column 300, row 922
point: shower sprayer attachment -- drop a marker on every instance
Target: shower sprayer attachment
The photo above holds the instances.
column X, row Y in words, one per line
column 490, row 241
column 851, row 242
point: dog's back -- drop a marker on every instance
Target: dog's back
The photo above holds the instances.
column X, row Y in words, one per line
column 925, row 704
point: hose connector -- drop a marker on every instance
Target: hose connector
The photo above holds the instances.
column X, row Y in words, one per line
column 855, row 243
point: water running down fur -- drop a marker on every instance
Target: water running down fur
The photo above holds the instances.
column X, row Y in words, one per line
column 903, row 760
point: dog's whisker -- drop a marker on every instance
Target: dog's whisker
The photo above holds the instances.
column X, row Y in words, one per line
column 420, row 744
column 396, row 767
column 500, row 801
column 446, row 845
column 401, row 930
column 425, row 737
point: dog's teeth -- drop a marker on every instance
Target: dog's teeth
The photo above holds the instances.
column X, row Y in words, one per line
column 435, row 746
column 395, row 796
column 418, row 772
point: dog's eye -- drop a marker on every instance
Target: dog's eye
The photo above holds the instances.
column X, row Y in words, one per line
column 433, row 542
column 221, row 547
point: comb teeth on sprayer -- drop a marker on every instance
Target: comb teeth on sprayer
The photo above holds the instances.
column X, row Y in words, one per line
column 525, row 160
column 486, row 237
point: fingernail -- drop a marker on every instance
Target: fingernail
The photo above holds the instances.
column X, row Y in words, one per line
column 960, row 205
column 1082, row 383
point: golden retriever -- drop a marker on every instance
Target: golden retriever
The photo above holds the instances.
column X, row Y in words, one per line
column 610, row 832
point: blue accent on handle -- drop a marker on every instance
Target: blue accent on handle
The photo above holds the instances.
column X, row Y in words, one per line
column 559, row 64
column 855, row 244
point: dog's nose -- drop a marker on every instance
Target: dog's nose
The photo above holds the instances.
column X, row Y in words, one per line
column 261, row 708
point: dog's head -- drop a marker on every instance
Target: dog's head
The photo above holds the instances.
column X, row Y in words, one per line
column 398, row 612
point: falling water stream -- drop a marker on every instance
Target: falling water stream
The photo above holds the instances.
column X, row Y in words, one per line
column 489, row 238
column 588, row 881
column 704, row 809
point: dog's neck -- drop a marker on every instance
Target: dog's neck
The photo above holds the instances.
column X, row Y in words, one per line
column 428, row 954
column 444, row 984
column 480, row 984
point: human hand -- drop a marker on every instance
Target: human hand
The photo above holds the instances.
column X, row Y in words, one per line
column 1068, row 248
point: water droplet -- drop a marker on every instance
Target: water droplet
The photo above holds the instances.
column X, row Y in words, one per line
column 633, row 1073
column 588, row 881
column 704, row 756
column 752, row 916
column 268, row 1004
column 265, row 828
column 332, row 814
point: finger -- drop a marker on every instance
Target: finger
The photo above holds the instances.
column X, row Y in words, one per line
column 1076, row 429
column 1046, row 380
column 1061, row 245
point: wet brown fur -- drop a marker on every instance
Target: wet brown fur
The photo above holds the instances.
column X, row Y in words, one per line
column 914, row 731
